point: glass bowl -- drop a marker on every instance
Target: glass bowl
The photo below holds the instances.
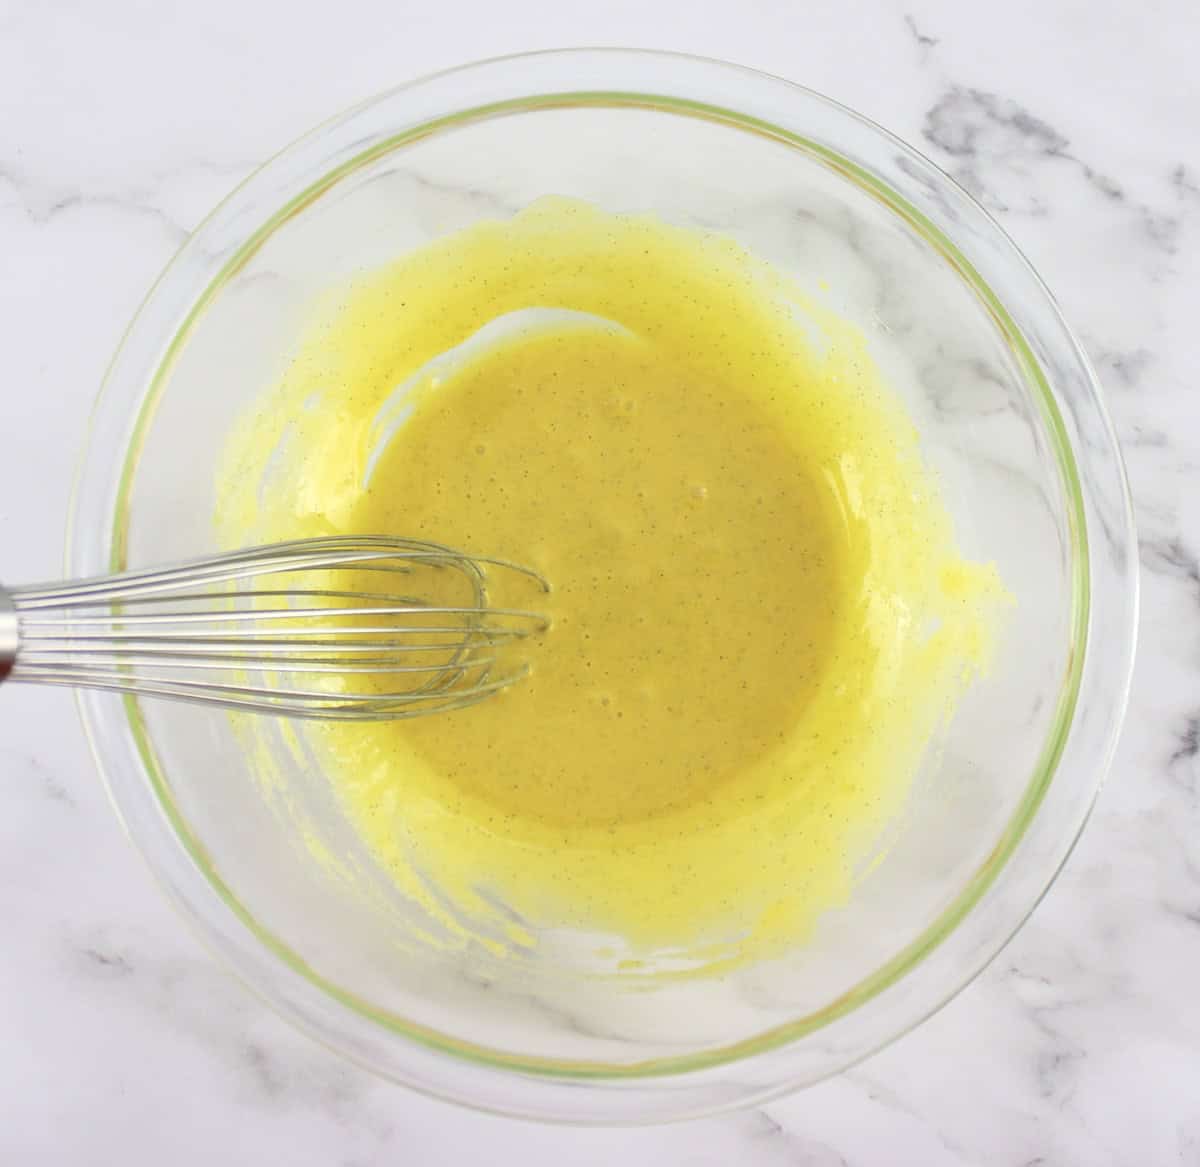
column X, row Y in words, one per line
column 1010, row 417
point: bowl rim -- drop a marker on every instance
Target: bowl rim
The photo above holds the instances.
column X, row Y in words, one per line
column 268, row 966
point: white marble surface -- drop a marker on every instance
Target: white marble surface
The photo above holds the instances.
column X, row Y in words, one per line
column 1077, row 123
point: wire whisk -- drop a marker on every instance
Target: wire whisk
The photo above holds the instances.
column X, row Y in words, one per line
column 342, row 628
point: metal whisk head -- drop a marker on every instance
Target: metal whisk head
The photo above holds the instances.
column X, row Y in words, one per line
column 345, row 628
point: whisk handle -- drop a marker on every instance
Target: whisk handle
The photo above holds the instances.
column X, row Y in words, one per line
column 8, row 633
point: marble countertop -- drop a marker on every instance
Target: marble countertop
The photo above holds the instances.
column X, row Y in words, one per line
column 123, row 122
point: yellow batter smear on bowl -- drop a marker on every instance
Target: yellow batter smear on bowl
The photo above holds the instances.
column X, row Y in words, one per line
column 760, row 616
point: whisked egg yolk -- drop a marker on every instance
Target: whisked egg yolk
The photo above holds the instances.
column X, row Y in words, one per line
column 759, row 612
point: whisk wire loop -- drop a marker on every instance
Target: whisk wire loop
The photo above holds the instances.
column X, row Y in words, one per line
column 291, row 628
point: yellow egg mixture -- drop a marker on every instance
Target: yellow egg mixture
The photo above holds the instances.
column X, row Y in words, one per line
column 759, row 613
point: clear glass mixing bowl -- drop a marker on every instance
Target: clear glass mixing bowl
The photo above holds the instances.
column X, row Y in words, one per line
column 1010, row 415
